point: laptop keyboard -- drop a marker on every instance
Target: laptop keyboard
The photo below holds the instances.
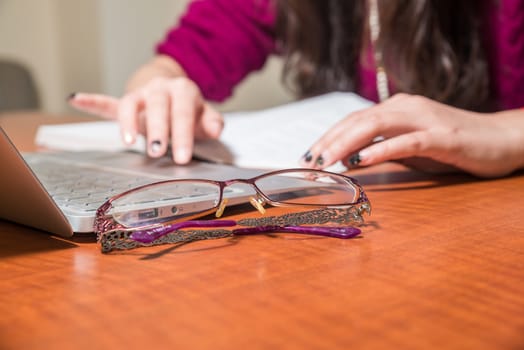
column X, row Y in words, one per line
column 83, row 188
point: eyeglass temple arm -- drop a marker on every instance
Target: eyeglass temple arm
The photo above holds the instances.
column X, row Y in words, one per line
column 284, row 223
column 150, row 235
column 333, row 232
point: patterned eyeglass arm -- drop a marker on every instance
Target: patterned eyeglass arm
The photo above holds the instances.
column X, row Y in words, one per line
column 123, row 240
column 288, row 223
column 341, row 216
column 333, row 232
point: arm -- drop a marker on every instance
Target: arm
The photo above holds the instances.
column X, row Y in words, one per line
column 159, row 66
column 216, row 44
column 162, row 104
column 219, row 42
column 485, row 145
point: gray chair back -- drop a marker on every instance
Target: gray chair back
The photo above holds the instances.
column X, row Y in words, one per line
column 17, row 87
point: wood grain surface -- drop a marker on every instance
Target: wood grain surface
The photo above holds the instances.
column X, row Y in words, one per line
column 440, row 265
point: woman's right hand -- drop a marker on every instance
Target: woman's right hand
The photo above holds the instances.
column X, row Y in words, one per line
column 163, row 105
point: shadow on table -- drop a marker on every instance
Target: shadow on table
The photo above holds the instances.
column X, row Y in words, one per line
column 409, row 179
column 152, row 253
column 17, row 239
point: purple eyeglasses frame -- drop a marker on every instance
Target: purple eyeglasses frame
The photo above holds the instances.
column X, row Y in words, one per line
column 114, row 235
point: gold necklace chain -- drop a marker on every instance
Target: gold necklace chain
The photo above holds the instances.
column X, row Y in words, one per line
column 374, row 29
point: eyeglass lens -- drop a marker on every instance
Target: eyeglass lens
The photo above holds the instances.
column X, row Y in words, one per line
column 299, row 188
column 175, row 200
column 165, row 202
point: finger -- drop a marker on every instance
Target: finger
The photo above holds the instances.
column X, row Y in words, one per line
column 399, row 114
column 157, row 120
column 360, row 130
column 318, row 155
column 397, row 99
column 344, row 137
column 415, row 144
column 101, row 105
column 128, row 113
column 186, row 103
column 210, row 124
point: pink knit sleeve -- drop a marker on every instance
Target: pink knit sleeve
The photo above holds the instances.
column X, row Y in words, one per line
column 505, row 34
column 219, row 42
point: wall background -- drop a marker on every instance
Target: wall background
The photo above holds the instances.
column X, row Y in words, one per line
column 94, row 45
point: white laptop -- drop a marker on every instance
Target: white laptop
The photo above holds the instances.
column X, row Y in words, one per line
column 60, row 192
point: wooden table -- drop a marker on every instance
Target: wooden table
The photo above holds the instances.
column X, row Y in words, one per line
column 440, row 265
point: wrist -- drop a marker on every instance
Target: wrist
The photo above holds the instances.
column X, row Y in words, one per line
column 160, row 66
column 513, row 122
column 168, row 66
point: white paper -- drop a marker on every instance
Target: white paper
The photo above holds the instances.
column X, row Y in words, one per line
column 85, row 136
column 271, row 139
column 277, row 137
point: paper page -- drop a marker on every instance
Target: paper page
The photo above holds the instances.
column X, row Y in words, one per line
column 86, row 136
column 273, row 138
column 277, row 137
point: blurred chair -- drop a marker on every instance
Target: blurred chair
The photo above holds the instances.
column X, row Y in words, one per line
column 17, row 87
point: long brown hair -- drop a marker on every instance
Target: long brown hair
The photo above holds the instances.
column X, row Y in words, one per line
column 430, row 47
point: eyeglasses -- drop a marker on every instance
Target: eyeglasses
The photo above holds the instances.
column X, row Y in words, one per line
column 314, row 202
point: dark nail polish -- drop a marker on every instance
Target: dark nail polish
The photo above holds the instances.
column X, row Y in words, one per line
column 71, row 96
column 320, row 161
column 307, row 157
column 155, row 146
column 354, row 159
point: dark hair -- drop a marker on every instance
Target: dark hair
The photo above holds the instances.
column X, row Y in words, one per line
column 430, row 47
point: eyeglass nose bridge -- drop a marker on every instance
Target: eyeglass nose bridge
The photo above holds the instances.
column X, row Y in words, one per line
column 257, row 201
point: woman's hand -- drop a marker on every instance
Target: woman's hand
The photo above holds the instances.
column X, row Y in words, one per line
column 162, row 104
column 414, row 127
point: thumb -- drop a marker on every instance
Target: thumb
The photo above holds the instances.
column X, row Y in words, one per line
column 210, row 125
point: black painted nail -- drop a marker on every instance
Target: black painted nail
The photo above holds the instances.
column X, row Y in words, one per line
column 320, row 161
column 355, row 159
column 155, row 146
column 307, row 156
column 71, row 96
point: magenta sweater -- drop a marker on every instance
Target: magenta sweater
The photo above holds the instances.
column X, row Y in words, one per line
column 219, row 42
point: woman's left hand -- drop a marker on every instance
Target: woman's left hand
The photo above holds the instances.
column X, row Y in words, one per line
column 485, row 145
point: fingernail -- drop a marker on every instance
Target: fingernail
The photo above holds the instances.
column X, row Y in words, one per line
column 71, row 96
column 363, row 157
column 355, row 159
column 182, row 155
column 320, row 160
column 128, row 138
column 155, row 146
column 307, row 157
column 217, row 127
